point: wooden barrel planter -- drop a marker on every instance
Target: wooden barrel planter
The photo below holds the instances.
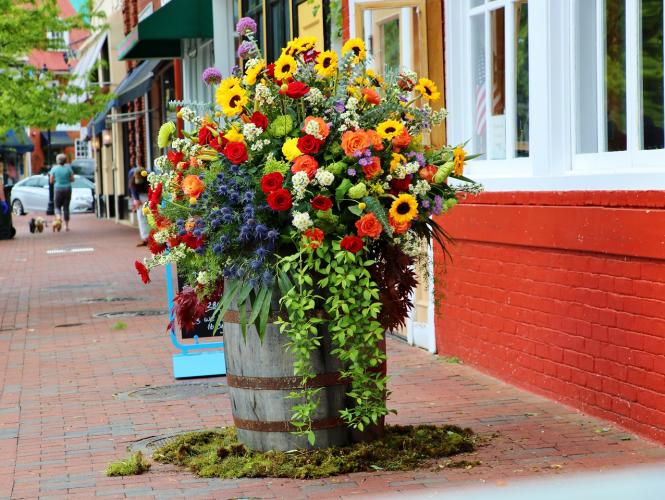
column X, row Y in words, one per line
column 260, row 375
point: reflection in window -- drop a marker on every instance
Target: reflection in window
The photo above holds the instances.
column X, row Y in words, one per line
column 522, row 79
column 497, row 149
column 652, row 74
column 391, row 41
column 615, row 74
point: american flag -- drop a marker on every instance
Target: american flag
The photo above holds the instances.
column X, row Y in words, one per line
column 481, row 118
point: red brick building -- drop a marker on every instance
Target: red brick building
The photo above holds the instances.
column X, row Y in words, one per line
column 557, row 277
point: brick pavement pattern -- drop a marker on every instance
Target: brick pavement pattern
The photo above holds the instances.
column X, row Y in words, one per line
column 61, row 367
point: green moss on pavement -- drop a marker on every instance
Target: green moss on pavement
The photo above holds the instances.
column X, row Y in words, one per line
column 134, row 465
column 218, row 453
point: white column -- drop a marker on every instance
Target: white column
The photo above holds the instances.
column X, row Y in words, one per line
column 223, row 29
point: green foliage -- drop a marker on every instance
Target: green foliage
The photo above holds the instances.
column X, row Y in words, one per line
column 133, row 465
column 218, row 453
column 347, row 313
column 29, row 96
column 119, row 325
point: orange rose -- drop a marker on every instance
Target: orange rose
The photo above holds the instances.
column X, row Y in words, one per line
column 305, row 163
column 402, row 140
column 353, row 141
column 369, row 225
column 399, row 228
column 373, row 169
column 371, row 96
column 192, row 186
column 375, row 139
column 324, row 130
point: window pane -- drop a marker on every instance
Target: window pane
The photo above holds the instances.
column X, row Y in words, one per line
column 478, row 77
column 497, row 123
column 652, row 74
column 615, row 74
column 522, row 79
column 476, row 3
column 600, row 76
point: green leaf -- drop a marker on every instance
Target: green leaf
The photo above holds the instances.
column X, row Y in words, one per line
column 374, row 206
column 342, row 189
column 355, row 210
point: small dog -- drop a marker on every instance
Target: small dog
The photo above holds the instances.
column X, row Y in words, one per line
column 57, row 224
column 40, row 224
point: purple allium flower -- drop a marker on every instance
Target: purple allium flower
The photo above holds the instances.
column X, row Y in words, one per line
column 245, row 49
column 352, row 172
column 246, row 25
column 438, row 205
column 211, row 76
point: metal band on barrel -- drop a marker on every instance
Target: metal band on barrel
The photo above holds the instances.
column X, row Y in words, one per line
column 285, row 426
column 283, row 383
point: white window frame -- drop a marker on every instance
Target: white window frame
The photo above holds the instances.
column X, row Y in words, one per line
column 634, row 157
column 552, row 163
column 79, row 146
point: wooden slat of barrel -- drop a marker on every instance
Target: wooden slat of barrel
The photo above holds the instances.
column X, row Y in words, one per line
column 260, row 375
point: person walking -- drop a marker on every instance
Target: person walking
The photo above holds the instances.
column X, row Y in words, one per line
column 62, row 176
column 138, row 189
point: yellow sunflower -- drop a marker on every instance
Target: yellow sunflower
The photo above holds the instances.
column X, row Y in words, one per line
column 229, row 83
column 305, row 43
column 285, row 66
column 428, row 89
column 252, row 73
column 459, row 154
column 232, row 100
column 234, row 136
column 357, row 46
column 326, row 64
column 292, row 47
column 396, row 161
column 389, row 129
column 404, row 209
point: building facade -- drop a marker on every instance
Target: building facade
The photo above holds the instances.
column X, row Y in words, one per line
column 557, row 277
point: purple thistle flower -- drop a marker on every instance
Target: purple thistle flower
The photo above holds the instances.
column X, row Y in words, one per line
column 211, row 76
column 246, row 25
column 245, row 49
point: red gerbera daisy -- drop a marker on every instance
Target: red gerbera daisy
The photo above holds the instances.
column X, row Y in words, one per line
column 143, row 272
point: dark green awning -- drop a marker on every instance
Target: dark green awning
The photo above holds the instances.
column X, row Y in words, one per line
column 158, row 35
column 16, row 140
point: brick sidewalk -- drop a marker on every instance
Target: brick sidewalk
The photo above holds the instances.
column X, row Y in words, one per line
column 60, row 367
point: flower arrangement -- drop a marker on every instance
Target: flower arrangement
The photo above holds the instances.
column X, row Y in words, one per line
column 312, row 180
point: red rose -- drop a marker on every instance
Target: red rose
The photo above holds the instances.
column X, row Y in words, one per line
column 219, row 143
column 280, row 200
column 260, row 120
column 271, row 182
column 295, row 90
column 351, row 243
column 315, row 237
column 236, row 152
column 143, row 272
column 175, row 157
column 270, row 70
column 205, row 135
column 400, row 185
column 320, row 202
column 309, row 144
column 191, row 241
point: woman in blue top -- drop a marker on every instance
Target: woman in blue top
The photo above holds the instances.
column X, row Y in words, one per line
column 62, row 177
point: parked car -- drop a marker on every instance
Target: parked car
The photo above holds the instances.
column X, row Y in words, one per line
column 31, row 194
column 84, row 168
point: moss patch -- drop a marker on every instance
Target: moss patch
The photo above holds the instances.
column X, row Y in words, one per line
column 134, row 465
column 218, row 453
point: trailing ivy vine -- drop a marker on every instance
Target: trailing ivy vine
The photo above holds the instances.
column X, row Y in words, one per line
column 333, row 287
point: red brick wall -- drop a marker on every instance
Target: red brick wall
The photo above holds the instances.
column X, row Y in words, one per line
column 564, row 294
